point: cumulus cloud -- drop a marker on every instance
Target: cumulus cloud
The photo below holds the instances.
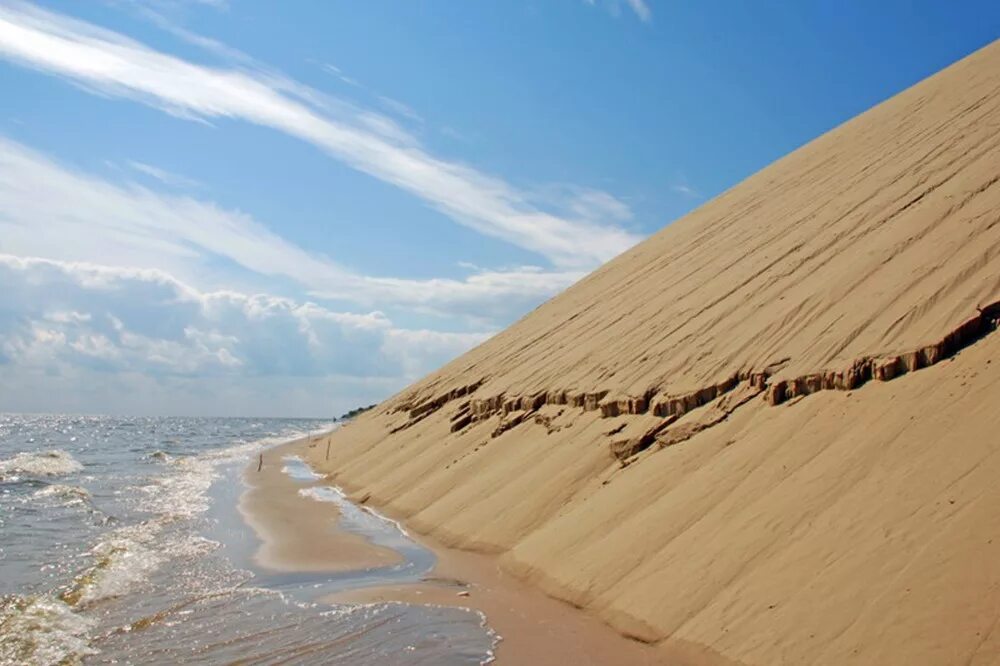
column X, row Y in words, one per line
column 113, row 65
column 59, row 318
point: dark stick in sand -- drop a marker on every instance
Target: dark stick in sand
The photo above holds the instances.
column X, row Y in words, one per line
column 327, row 449
column 260, row 463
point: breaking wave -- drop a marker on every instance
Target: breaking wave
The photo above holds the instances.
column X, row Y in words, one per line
column 65, row 495
column 39, row 464
column 42, row 630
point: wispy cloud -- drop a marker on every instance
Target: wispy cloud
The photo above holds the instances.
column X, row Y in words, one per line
column 400, row 109
column 639, row 7
column 166, row 177
column 87, row 217
column 685, row 190
column 338, row 73
column 114, row 65
column 394, row 106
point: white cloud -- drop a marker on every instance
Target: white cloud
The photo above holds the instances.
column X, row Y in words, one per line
column 685, row 190
column 166, row 177
column 59, row 318
column 639, row 7
column 400, row 109
column 338, row 73
column 111, row 64
column 49, row 210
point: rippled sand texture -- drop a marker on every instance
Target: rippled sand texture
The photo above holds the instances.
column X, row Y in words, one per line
column 766, row 435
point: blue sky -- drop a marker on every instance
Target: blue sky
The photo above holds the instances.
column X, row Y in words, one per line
column 254, row 208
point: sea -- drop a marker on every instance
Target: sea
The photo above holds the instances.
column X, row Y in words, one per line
column 121, row 543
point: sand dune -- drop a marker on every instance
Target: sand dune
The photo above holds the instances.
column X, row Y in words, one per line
column 769, row 434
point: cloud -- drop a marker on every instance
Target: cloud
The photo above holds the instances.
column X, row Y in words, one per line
column 87, row 218
column 111, row 64
column 57, row 317
column 164, row 176
column 639, row 7
column 338, row 74
column 489, row 295
column 78, row 337
column 400, row 109
column 49, row 210
column 685, row 190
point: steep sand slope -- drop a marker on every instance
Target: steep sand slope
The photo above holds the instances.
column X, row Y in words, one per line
column 665, row 443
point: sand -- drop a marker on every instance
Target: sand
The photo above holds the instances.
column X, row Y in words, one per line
column 769, row 434
column 298, row 533
column 301, row 534
column 534, row 628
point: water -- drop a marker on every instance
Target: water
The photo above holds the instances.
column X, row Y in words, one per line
column 120, row 543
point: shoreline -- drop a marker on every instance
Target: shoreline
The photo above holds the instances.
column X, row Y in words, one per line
column 533, row 627
column 291, row 527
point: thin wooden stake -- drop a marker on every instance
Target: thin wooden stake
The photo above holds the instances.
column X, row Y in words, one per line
column 260, row 463
column 327, row 449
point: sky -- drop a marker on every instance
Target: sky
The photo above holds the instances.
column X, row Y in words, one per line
column 250, row 208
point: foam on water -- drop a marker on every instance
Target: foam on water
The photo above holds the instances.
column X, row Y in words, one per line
column 115, row 566
column 126, row 560
column 65, row 495
column 42, row 630
column 353, row 516
column 38, row 464
column 296, row 468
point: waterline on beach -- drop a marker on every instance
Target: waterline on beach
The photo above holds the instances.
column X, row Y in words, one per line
column 119, row 544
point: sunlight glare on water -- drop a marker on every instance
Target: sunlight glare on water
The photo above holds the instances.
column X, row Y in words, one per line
column 110, row 553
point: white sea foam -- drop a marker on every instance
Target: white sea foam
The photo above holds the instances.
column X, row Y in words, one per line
column 128, row 557
column 57, row 627
column 299, row 470
column 39, row 463
column 65, row 495
column 323, row 494
column 358, row 516
column 42, row 630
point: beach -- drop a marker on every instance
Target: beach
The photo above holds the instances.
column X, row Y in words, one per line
column 124, row 542
column 299, row 533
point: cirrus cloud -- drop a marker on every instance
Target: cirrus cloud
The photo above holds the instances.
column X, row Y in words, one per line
column 111, row 64
column 50, row 210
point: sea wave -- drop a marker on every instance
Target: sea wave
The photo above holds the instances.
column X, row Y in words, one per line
column 42, row 630
column 126, row 560
column 65, row 495
column 152, row 557
column 161, row 456
column 356, row 514
column 39, row 463
column 298, row 469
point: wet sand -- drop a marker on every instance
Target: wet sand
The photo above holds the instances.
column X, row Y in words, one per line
column 297, row 533
column 535, row 628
